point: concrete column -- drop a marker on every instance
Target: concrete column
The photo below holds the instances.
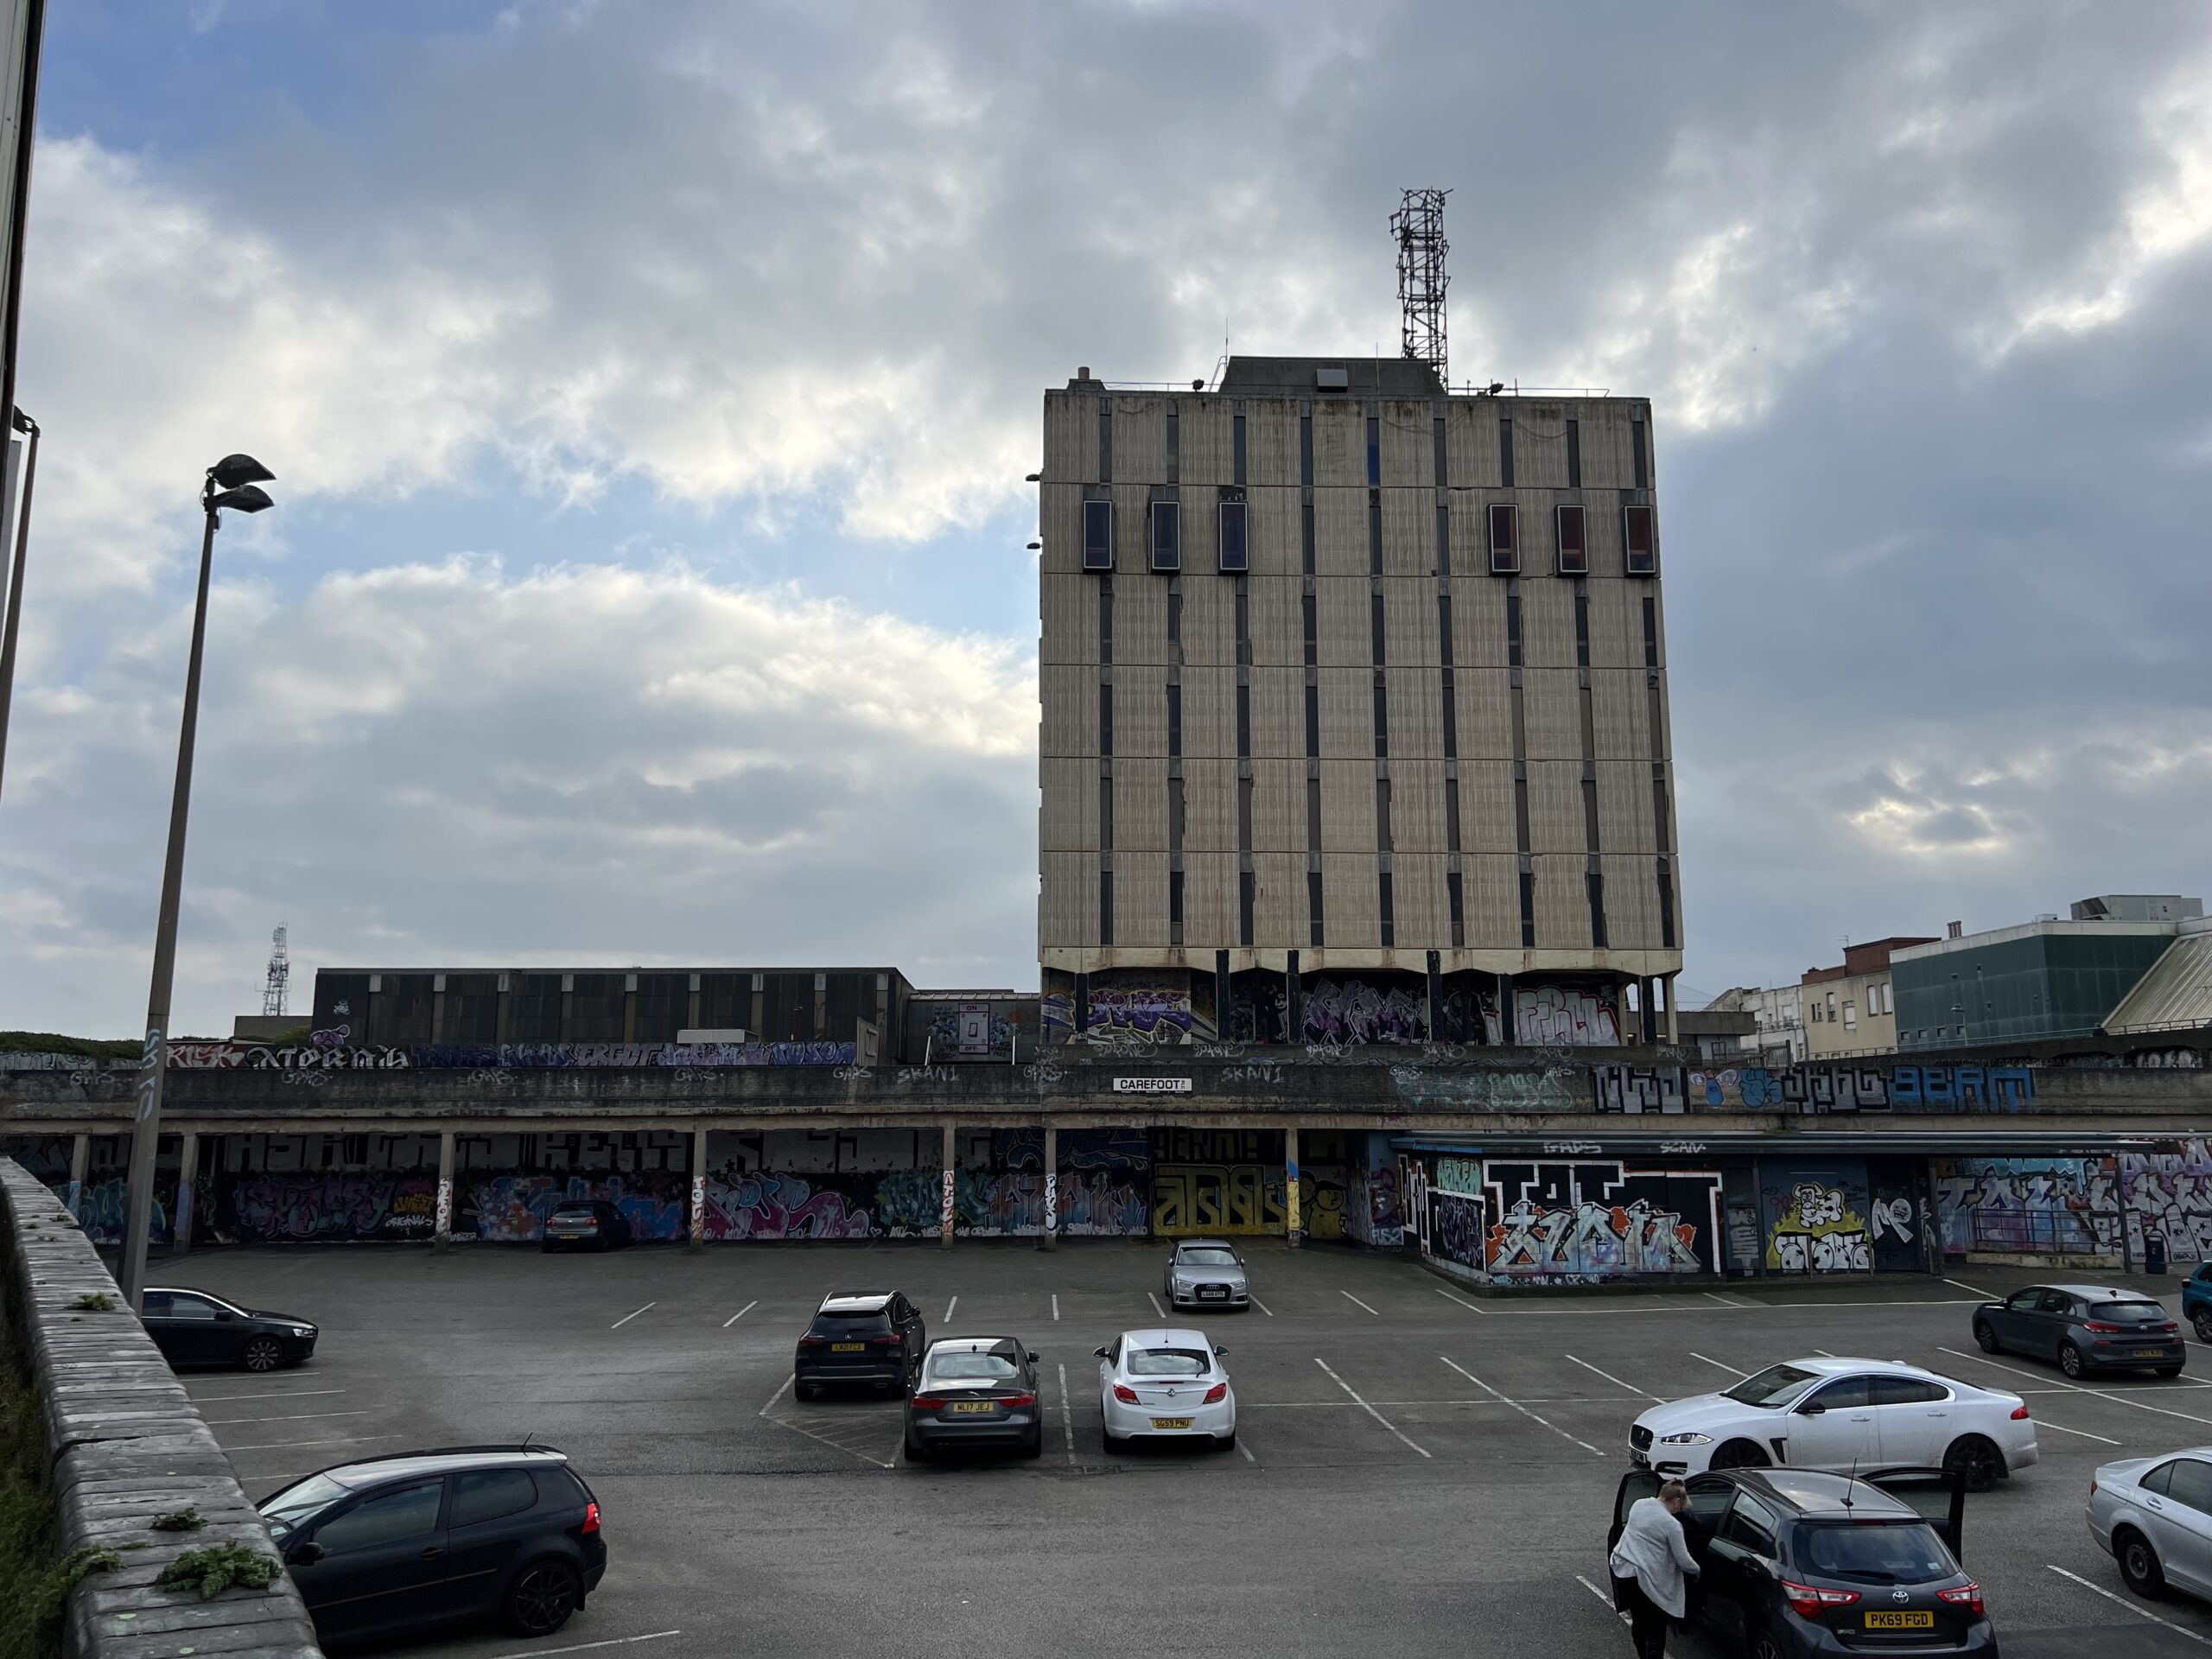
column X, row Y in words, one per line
column 944, row 1238
column 1674, row 1025
column 442, row 1233
column 181, row 1214
column 81, row 1163
column 1292, row 1221
column 1051, row 1187
column 698, row 1190
column 1508, row 1025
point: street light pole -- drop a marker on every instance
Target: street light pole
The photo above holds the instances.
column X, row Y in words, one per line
column 239, row 478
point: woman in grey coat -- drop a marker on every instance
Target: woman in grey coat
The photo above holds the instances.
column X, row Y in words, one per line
column 1650, row 1566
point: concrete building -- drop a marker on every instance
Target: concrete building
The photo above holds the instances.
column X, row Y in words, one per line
column 1778, row 1036
column 1355, row 719
column 1851, row 1009
column 2044, row 979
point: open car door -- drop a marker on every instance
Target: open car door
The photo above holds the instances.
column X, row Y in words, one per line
column 1937, row 1495
column 1637, row 1482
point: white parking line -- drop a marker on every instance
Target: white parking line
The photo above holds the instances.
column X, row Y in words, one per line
column 1986, row 1295
column 1156, row 1307
column 293, row 1394
column 1603, row 1596
column 777, row 1395
column 2045, row 1422
column 289, row 1417
column 1262, row 1306
column 949, row 1306
column 1356, row 1302
column 1717, row 1366
column 2098, row 1589
column 1611, row 1378
column 1364, row 1407
column 1067, row 1412
column 1462, row 1300
column 2101, row 1394
column 1056, row 1307
column 285, row 1445
column 727, row 1323
column 1518, row 1407
column 630, row 1315
column 585, row 1647
column 1246, row 1450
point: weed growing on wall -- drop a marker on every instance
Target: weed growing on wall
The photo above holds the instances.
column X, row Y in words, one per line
column 188, row 1519
column 211, row 1571
column 93, row 1301
column 35, row 1584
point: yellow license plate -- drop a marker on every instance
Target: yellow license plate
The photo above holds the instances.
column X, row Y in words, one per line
column 975, row 1408
column 849, row 1347
column 1171, row 1422
column 2150, row 1353
column 1912, row 1619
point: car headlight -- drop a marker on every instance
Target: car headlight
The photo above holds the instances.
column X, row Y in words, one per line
column 1691, row 1438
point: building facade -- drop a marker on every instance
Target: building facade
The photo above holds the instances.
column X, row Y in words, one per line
column 1354, row 718
column 1851, row 1009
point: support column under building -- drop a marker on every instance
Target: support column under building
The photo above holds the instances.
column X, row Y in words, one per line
column 944, row 1234
column 698, row 1190
column 1292, row 1220
column 441, row 1228
column 180, row 1215
column 1051, row 1187
column 1674, row 1025
column 81, row 1163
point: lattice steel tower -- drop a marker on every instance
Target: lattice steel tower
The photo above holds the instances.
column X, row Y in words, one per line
column 280, row 975
column 1418, row 226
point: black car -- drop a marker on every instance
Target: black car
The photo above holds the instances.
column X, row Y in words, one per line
column 2085, row 1328
column 585, row 1224
column 1795, row 1561
column 872, row 1336
column 975, row 1393
column 393, row 1545
column 194, row 1327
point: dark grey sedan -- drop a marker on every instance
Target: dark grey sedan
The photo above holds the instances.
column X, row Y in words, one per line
column 975, row 1394
column 2085, row 1328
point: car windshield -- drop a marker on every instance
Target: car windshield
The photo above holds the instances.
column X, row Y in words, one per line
column 1169, row 1361
column 1206, row 1258
column 2128, row 1313
column 1874, row 1553
column 294, row 1504
column 1773, row 1387
column 973, row 1368
column 576, row 1212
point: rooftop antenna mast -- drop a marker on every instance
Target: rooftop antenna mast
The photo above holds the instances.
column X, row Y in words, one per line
column 280, row 975
column 1418, row 227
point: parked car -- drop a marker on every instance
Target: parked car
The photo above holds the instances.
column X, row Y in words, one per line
column 1840, row 1415
column 585, row 1224
column 1166, row 1385
column 394, row 1545
column 872, row 1336
column 2085, row 1328
column 2154, row 1515
column 2197, row 1300
column 1796, row 1562
column 1206, row 1272
column 196, row 1327
column 975, row 1393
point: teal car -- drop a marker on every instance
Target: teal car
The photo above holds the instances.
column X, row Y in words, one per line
column 2197, row 1300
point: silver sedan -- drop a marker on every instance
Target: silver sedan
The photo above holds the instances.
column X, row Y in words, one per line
column 1206, row 1272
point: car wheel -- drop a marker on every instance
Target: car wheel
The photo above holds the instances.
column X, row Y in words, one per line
column 916, row 1452
column 542, row 1595
column 1739, row 1454
column 1976, row 1458
column 1987, row 1336
column 2202, row 1320
column 262, row 1354
column 2166, row 1371
column 1226, row 1442
column 1763, row 1646
column 2139, row 1564
column 2069, row 1359
column 1114, row 1442
column 1035, row 1449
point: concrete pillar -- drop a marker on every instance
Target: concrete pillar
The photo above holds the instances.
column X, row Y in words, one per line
column 81, row 1163
column 1508, row 1025
column 180, row 1215
column 1051, row 1187
column 1292, row 1220
column 442, row 1233
column 944, row 1237
column 1674, row 1025
column 698, row 1190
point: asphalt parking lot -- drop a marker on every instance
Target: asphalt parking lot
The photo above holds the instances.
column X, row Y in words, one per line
column 1415, row 1464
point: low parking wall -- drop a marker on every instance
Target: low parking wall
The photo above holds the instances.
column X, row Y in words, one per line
column 125, row 1444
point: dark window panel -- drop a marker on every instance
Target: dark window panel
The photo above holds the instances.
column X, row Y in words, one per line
column 1504, row 539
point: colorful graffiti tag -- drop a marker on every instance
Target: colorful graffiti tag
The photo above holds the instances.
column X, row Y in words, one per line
column 2029, row 1206
column 338, row 1057
column 1815, row 1227
column 1363, row 1011
column 2169, row 1194
column 352, row 1205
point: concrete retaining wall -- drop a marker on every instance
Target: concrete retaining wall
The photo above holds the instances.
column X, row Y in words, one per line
column 126, row 1445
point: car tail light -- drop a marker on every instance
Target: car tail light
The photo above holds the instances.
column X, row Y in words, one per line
column 1808, row 1602
column 928, row 1401
column 2092, row 1485
column 892, row 1341
column 2103, row 1329
column 591, row 1517
column 2168, row 1328
column 2020, row 1411
column 1125, row 1394
column 1967, row 1596
column 814, row 1342
column 1216, row 1394
column 1019, row 1400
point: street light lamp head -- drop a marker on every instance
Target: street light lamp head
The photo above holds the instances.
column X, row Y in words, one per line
column 233, row 470
column 247, row 497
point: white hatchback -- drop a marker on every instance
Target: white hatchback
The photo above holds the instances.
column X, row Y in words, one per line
column 1166, row 1385
column 1842, row 1414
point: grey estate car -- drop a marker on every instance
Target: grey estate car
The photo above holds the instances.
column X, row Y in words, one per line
column 1207, row 1272
column 2085, row 1328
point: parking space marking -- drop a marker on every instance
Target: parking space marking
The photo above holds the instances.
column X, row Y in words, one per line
column 2098, row 1589
column 1462, row 1300
column 1262, row 1306
column 1518, row 1407
column 1717, row 1366
column 586, row 1647
column 949, row 1306
column 1364, row 1407
column 289, row 1417
column 1356, row 1302
column 1246, row 1450
column 777, row 1395
column 2073, row 1388
column 286, row 1445
column 1603, row 1596
column 1986, row 1295
column 1156, row 1307
column 2045, row 1422
column 293, row 1393
column 1056, row 1307
column 1067, row 1409
column 630, row 1315
column 1611, row 1378
column 736, row 1316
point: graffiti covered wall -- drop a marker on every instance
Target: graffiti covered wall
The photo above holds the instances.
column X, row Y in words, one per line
column 1217, row 1181
column 1569, row 1221
column 2169, row 1194
column 1815, row 1217
column 2029, row 1206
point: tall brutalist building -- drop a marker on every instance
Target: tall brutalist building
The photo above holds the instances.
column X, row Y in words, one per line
column 1355, row 712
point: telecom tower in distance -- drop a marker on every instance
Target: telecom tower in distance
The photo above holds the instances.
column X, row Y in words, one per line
column 280, row 975
column 1418, row 226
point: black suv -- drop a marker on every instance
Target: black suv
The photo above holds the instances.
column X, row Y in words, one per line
column 1795, row 1561
column 585, row 1224
column 393, row 1545
column 872, row 1336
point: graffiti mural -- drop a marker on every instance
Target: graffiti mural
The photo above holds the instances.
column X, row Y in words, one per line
column 510, row 1207
column 1594, row 1221
column 348, row 1205
column 2169, row 1195
column 1259, row 1006
column 337, row 1056
column 1456, row 1230
column 2029, row 1206
column 1750, row 1088
column 1629, row 1089
column 1364, row 1011
column 1546, row 1015
column 1372, row 1215
column 1816, row 1221
column 764, row 1205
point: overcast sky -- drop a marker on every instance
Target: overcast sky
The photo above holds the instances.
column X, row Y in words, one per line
column 650, row 388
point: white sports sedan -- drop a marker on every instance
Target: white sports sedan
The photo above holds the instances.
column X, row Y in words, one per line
column 1842, row 1414
column 2155, row 1515
column 1166, row 1385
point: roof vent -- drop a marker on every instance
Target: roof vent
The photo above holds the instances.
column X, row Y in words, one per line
column 1953, row 930
column 1331, row 380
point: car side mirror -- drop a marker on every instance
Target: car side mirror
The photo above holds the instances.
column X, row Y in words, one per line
column 1033, row 1357
column 305, row 1554
column 224, row 1316
column 1102, row 1353
column 1813, row 1408
column 1219, row 1351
